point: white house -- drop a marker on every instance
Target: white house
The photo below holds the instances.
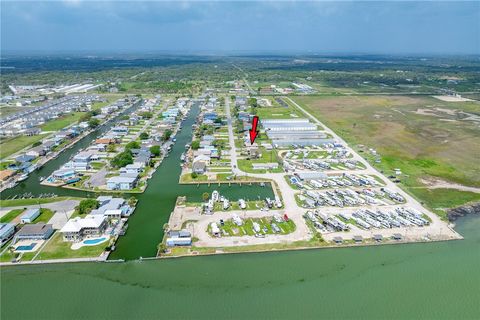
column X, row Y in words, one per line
column 77, row 228
column 135, row 167
column 121, row 183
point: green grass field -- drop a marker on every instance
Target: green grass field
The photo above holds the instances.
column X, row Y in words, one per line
column 11, row 215
column 62, row 122
column 9, row 146
column 187, row 178
column 33, row 201
column 45, row 215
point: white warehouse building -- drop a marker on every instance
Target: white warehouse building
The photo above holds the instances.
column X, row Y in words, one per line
column 288, row 125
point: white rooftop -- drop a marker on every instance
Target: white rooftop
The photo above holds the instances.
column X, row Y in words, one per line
column 77, row 224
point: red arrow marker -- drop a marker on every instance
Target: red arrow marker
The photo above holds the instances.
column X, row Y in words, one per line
column 254, row 131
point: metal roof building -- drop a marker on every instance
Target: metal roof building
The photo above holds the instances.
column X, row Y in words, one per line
column 302, row 138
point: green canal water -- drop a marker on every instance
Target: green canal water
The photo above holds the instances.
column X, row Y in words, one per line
column 412, row 281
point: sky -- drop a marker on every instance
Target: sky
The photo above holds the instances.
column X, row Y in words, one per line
column 387, row 27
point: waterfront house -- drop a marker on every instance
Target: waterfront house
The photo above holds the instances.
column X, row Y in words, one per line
column 37, row 231
column 77, row 228
column 179, row 238
column 200, row 163
column 199, row 167
column 6, row 232
column 6, row 174
column 24, row 158
column 30, row 215
column 121, row 183
column 110, row 203
column 36, row 151
column 135, row 167
column 106, row 141
column 142, row 155
column 102, row 200
column 48, row 145
column 63, row 174
column 81, row 161
column 120, row 130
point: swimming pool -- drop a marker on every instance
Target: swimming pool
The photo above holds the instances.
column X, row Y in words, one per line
column 26, row 248
column 94, row 241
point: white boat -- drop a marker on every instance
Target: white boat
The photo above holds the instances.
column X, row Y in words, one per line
column 242, row 204
column 23, row 177
column 215, row 196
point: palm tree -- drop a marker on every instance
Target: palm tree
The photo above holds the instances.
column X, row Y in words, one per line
column 205, row 196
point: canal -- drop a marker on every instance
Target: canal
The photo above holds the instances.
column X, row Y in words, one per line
column 145, row 226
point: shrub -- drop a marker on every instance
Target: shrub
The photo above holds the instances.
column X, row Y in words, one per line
column 155, row 150
column 86, row 206
column 122, row 159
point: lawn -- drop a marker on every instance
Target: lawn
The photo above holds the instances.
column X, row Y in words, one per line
column 11, row 215
column 97, row 165
column 9, row 146
column 56, row 248
column 62, row 122
column 7, row 256
column 33, row 201
column 45, row 215
column 266, row 157
column 187, row 178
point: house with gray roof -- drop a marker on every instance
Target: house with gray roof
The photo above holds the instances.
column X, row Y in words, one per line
column 37, row 231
